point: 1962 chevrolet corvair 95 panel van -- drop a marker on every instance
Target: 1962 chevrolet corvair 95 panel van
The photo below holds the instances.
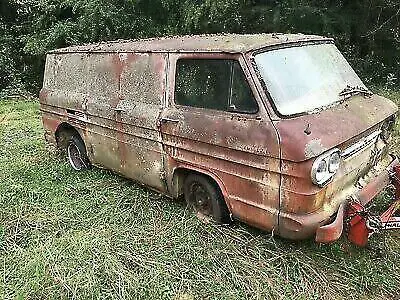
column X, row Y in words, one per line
column 276, row 130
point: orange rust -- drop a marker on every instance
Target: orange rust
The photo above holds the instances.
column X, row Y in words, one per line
column 43, row 95
column 50, row 123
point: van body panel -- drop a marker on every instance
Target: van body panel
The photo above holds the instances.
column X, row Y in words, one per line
column 107, row 96
column 341, row 127
column 241, row 150
column 132, row 114
column 331, row 127
column 205, row 43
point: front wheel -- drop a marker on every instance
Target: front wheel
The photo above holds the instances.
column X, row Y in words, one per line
column 204, row 196
column 76, row 153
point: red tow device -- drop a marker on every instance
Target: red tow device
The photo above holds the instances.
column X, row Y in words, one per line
column 361, row 224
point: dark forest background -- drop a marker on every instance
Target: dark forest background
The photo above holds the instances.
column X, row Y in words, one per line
column 366, row 31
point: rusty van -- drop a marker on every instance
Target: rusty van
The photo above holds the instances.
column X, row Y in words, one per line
column 276, row 130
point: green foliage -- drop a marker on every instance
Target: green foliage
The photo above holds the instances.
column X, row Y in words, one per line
column 366, row 31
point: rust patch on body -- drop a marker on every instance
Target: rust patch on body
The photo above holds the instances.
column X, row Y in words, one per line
column 333, row 127
column 43, row 95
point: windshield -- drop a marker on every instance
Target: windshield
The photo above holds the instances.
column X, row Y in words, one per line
column 302, row 79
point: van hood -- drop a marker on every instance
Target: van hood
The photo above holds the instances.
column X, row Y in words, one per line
column 308, row 136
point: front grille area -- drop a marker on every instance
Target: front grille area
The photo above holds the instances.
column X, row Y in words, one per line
column 361, row 144
column 358, row 160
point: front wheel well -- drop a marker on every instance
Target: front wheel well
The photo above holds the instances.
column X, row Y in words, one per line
column 179, row 178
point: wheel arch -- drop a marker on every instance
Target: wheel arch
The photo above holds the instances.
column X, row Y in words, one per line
column 63, row 132
column 180, row 173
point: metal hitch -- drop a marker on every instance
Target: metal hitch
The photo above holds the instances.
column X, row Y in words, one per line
column 361, row 224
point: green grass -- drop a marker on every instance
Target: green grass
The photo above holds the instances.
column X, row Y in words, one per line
column 95, row 235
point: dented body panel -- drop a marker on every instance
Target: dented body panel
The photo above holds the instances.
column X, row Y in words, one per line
column 120, row 98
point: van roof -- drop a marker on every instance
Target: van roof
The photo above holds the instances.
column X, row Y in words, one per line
column 232, row 43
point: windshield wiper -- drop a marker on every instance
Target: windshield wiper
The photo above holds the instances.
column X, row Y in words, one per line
column 355, row 90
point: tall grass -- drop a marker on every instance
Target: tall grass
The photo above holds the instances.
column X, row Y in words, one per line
column 95, row 235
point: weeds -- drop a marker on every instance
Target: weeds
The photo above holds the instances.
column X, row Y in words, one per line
column 89, row 235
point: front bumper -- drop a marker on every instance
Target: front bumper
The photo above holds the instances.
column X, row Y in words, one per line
column 327, row 224
column 354, row 210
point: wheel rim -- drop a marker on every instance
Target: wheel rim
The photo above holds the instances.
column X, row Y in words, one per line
column 200, row 199
column 75, row 157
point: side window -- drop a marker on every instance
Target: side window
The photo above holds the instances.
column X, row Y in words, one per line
column 242, row 99
column 214, row 84
column 202, row 83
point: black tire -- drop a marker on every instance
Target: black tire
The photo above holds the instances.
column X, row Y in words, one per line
column 76, row 154
column 204, row 196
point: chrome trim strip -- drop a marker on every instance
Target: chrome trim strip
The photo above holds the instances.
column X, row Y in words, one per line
column 361, row 144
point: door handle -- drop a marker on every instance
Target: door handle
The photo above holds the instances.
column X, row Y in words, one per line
column 166, row 119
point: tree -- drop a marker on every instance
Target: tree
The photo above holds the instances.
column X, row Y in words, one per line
column 366, row 31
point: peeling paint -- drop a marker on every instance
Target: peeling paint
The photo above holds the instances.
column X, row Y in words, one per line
column 314, row 148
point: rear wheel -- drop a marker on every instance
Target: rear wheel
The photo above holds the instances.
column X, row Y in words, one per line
column 76, row 153
column 204, row 196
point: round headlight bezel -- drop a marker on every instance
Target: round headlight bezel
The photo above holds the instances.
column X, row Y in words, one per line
column 322, row 171
column 334, row 162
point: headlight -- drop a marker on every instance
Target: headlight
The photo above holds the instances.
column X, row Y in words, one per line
column 325, row 167
column 334, row 162
column 321, row 172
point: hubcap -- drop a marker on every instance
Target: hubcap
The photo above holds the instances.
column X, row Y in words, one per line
column 74, row 157
column 200, row 199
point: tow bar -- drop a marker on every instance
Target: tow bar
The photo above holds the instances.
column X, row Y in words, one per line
column 361, row 224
